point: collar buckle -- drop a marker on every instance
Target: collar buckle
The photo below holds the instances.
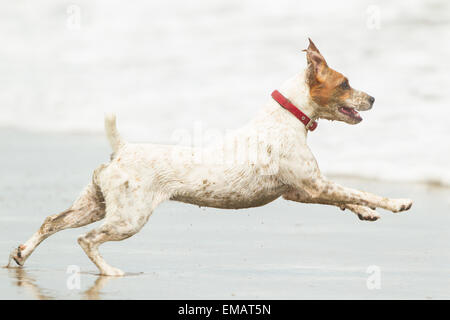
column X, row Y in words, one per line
column 311, row 124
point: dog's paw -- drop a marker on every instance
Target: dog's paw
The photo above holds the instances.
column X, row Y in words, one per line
column 17, row 256
column 363, row 213
column 112, row 272
column 399, row 205
column 368, row 214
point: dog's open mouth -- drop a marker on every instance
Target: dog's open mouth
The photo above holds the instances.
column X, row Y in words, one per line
column 350, row 112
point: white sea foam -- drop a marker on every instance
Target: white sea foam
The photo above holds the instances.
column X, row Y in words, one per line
column 162, row 65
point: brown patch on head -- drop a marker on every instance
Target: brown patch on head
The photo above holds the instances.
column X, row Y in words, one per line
column 325, row 84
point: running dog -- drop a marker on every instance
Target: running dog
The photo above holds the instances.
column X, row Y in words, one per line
column 125, row 191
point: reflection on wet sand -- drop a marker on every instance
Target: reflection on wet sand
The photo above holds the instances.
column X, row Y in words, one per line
column 24, row 280
column 21, row 278
column 93, row 293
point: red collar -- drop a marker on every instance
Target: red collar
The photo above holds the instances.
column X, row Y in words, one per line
column 289, row 106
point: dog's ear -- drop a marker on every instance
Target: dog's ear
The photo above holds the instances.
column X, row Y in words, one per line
column 317, row 66
column 312, row 46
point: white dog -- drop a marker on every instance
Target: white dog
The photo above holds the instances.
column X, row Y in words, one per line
column 273, row 160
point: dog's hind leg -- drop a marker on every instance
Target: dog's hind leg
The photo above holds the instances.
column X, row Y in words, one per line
column 88, row 208
column 127, row 210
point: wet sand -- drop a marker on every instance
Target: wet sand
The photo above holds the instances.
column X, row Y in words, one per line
column 284, row 250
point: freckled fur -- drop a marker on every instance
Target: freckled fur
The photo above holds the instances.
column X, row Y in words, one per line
column 255, row 165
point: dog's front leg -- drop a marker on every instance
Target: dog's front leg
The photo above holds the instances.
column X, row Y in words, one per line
column 302, row 173
column 363, row 213
column 325, row 190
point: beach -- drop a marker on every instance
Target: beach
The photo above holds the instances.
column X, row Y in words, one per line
column 283, row 250
column 188, row 72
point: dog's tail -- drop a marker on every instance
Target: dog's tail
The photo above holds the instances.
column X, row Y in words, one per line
column 114, row 138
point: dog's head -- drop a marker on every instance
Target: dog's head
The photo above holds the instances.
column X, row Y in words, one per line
column 331, row 91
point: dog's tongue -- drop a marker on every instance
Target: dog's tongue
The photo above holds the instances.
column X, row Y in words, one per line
column 350, row 112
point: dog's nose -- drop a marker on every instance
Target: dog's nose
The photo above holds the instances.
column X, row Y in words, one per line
column 371, row 100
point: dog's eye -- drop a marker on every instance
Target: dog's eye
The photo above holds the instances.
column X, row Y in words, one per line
column 344, row 85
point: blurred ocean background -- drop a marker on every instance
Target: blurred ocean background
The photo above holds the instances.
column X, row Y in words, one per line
column 171, row 66
column 165, row 65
